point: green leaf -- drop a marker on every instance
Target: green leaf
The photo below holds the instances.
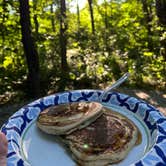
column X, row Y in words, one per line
column 8, row 61
column 149, row 54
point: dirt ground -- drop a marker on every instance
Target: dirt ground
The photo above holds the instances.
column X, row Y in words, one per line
column 155, row 98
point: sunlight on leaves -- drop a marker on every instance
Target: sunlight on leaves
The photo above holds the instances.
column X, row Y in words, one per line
column 149, row 54
column 7, row 62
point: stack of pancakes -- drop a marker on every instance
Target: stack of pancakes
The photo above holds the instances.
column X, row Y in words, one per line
column 96, row 136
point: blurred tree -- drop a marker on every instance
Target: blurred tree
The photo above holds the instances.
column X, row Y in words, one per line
column 52, row 5
column 161, row 13
column 35, row 18
column 30, row 50
column 3, row 15
column 63, row 45
column 108, row 49
column 147, row 10
column 78, row 21
column 90, row 2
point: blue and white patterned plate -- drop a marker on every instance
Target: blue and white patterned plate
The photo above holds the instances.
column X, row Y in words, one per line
column 27, row 146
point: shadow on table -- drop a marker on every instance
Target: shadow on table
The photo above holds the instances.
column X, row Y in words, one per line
column 155, row 98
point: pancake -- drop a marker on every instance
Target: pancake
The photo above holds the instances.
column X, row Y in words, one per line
column 107, row 140
column 65, row 118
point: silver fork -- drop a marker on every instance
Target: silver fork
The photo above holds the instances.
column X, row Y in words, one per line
column 114, row 85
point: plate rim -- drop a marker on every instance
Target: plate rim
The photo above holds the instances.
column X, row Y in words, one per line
column 158, row 117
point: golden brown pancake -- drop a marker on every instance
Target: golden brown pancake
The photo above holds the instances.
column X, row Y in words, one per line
column 107, row 140
column 65, row 118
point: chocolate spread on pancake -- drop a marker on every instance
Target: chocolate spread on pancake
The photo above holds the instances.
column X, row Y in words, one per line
column 108, row 137
column 107, row 133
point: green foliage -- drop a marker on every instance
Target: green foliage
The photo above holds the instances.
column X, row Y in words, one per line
column 122, row 42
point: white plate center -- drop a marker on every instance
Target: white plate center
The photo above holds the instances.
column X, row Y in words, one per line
column 41, row 149
column 44, row 150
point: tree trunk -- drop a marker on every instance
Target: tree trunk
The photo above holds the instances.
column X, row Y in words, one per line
column 35, row 19
column 105, row 15
column 63, row 45
column 52, row 17
column 91, row 15
column 161, row 13
column 78, row 16
column 148, row 18
column 106, row 28
column 78, row 22
column 30, row 50
column 4, row 16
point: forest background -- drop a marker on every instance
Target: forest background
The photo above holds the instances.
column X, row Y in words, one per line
column 47, row 46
